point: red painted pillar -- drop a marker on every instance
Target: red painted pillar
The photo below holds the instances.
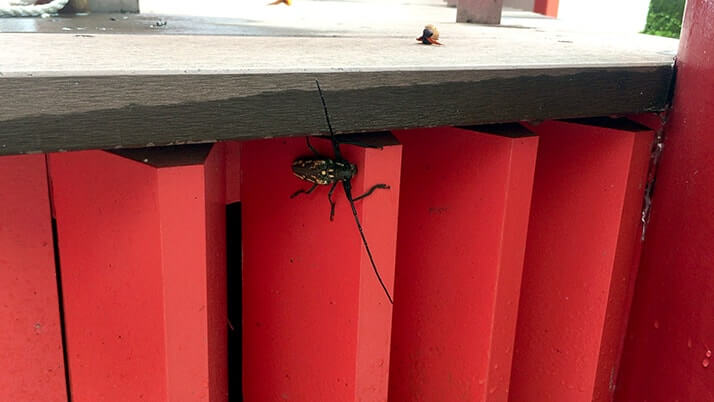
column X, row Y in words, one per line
column 142, row 250
column 581, row 259
column 546, row 7
column 462, row 230
column 671, row 335
column 31, row 362
column 316, row 321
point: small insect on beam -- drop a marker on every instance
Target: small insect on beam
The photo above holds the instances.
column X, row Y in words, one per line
column 429, row 36
column 321, row 170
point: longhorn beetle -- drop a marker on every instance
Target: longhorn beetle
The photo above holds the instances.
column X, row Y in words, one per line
column 321, row 170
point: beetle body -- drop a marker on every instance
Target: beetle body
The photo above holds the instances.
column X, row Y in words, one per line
column 323, row 171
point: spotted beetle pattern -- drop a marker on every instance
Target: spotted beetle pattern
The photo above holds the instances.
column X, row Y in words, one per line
column 323, row 171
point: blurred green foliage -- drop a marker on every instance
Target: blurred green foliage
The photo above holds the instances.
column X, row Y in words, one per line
column 665, row 18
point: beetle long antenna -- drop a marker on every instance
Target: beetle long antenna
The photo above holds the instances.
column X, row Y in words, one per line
column 335, row 144
column 348, row 192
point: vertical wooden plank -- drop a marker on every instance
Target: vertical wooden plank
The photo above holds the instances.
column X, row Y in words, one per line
column 479, row 11
column 143, row 254
column 180, row 189
column 316, row 321
column 625, row 267
column 215, row 272
column 581, row 258
column 546, row 7
column 192, row 221
column 516, row 211
column 110, row 250
column 379, row 218
column 32, row 367
column 671, row 334
column 462, row 230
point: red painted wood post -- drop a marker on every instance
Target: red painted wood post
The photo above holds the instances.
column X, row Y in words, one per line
column 671, row 333
column 581, row 259
column 462, row 230
column 546, row 7
column 316, row 322
column 479, row 11
column 142, row 250
column 32, row 366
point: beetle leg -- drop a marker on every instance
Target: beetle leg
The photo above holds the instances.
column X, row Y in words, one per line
column 370, row 191
column 332, row 202
column 308, row 191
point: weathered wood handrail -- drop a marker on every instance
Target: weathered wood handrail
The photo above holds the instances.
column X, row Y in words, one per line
column 86, row 89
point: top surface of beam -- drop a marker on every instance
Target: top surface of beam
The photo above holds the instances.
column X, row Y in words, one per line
column 310, row 36
column 247, row 70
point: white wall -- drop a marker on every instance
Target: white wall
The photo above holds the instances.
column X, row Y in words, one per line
column 605, row 15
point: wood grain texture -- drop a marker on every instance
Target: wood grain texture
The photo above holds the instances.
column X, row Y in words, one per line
column 66, row 87
column 138, row 111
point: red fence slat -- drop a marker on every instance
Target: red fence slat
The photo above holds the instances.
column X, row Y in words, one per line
column 31, row 361
column 316, row 322
column 462, row 230
column 581, row 259
column 143, row 273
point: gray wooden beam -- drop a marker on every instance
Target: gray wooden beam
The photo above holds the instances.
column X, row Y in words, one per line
column 137, row 111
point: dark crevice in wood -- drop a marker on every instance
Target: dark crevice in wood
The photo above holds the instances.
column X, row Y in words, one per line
column 58, row 278
column 182, row 155
column 235, row 304
column 615, row 123
column 511, row 130
column 60, row 297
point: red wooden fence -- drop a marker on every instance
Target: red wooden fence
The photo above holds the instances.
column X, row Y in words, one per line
column 511, row 254
column 141, row 245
